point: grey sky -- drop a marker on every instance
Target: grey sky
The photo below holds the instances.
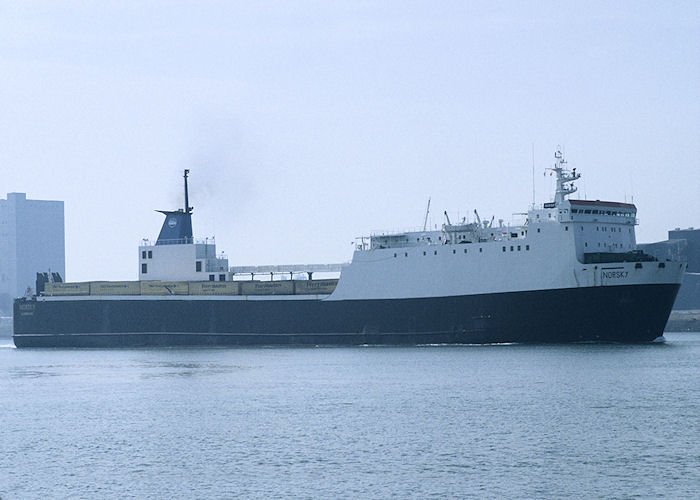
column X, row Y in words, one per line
column 306, row 124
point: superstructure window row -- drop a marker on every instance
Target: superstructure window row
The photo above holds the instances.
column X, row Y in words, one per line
column 601, row 212
column 481, row 250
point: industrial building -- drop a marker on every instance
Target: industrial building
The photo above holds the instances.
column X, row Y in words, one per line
column 682, row 244
column 32, row 239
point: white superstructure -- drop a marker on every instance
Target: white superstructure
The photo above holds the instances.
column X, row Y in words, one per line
column 560, row 245
column 193, row 260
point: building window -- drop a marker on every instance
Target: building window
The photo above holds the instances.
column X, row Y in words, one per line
column 198, row 266
column 504, row 249
column 435, row 252
column 538, row 229
column 405, row 254
column 222, row 277
column 394, row 255
column 518, row 248
column 143, row 254
column 211, row 277
column 566, row 228
column 150, row 254
column 144, row 268
column 527, row 247
column 511, row 248
column 454, row 251
column 423, row 253
column 480, row 250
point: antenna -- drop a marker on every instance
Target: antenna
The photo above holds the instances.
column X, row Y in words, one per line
column 533, row 175
column 188, row 208
column 427, row 211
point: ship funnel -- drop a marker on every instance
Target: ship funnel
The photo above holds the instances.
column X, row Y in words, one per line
column 177, row 227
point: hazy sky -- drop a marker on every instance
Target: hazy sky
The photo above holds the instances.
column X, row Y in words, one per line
column 308, row 123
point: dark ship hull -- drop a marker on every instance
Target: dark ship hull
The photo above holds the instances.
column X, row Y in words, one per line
column 630, row 313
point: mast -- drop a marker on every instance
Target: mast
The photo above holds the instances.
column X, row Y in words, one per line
column 565, row 178
column 427, row 212
column 533, row 175
column 188, row 208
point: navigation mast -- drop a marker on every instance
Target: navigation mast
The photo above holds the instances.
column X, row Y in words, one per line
column 565, row 177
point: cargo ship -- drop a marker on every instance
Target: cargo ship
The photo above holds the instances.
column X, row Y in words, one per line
column 569, row 272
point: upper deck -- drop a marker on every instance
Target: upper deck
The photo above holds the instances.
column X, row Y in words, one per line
column 596, row 226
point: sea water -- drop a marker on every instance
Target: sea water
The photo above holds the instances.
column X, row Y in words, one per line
column 516, row 421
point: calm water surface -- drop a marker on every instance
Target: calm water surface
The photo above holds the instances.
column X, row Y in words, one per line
column 587, row 420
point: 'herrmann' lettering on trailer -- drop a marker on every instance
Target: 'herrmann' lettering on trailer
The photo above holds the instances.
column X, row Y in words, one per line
column 614, row 275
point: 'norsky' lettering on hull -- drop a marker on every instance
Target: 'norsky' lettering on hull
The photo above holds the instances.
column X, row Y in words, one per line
column 614, row 274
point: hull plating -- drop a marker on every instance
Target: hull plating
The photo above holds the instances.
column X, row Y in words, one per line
column 634, row 313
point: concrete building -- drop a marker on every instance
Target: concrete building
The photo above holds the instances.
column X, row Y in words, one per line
column 32, row 239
